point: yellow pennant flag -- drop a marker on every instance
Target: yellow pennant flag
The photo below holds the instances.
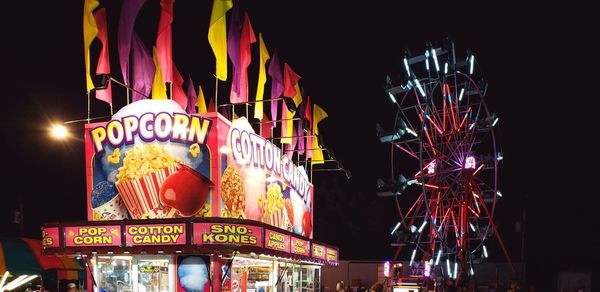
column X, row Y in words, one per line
column 317, row 156
column 298, row 96
column 318, row 115
column 90, row 30
column 217, row 35
column 159, row 89
column 201, row 102
column 262, row 78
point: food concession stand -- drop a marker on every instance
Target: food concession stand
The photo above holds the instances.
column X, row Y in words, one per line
column 187, row 202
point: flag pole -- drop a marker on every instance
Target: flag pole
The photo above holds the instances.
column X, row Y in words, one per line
column 216, row 92
column 127, row 90
column 88, row 106
column 247, row 116
column 111, row 109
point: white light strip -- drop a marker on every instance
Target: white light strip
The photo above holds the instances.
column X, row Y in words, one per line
column 406, row 66
column 14, row 283
column 472, row 272
column 472, row 227
column 3, row 280
column 446, row 68
column 485, row 254
column 419, row 87
column 437, row 259
column 395, row 228
column 495, row 122
column 427, row 64
column 448, row 267
column 472, row 61
column 435, row 60
column 410, row 131
column 462, row 91
column 422, row 226
column 412, row 258
column 471, row 126
column 392, row 97
column 499, row 193
column 455, row 270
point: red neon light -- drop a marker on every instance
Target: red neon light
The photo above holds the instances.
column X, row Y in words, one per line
column 478, row 169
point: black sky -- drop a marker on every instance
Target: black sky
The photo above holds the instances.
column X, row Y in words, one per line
column 540, row 61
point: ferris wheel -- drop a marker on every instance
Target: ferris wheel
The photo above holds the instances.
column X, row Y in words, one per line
column 444, row 123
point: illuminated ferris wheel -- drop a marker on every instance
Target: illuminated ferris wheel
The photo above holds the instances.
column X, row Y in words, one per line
column 443, row 123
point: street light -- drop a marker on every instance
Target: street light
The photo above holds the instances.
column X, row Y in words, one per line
column 59, row 131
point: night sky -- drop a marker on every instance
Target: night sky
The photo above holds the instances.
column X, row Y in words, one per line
column 540, row 62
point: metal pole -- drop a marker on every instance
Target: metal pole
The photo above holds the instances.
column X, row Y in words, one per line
column 216, row 93
column 523, row 274
column 88, row 106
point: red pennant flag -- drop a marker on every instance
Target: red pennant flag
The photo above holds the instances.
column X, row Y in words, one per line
column 290, row 78
column 266, row 130
column 103, row 66
column 163, row 40
column 211, row 106
column 246, row 39
column 178, row 93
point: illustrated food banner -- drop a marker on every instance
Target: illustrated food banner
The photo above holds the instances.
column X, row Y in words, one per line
column 153, row 160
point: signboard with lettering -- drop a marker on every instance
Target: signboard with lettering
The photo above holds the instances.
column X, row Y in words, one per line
column 277, row 241
column 300, row 246
column 318, row 251
column 155, row 234
column 230, row 234
column 50, row 237
column 108, row 235
column 332, row 255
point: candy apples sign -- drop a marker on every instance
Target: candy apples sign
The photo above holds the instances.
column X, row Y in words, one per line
column 259, row 182
column 151, row 160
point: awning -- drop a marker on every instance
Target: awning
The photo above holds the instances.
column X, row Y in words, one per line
column 23, row 256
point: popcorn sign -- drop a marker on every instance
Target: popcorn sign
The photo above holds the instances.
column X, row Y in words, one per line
column 300, row 246
column 93, row 235
column 149, row 161
column 318, row 251
column 50, row 237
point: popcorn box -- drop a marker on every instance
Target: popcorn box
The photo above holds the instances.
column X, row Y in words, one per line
column 275, row 219
column 114, row 209
column 141, row 195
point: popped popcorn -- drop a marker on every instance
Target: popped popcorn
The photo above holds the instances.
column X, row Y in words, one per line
column 143, row 160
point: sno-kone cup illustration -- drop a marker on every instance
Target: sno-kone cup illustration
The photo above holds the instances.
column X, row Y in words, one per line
column 107, row 203
column 145, row 168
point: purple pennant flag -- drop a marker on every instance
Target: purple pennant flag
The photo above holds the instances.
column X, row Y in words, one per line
column 129, row 12
column 276, row 84
column 300, row 138
column 143, row 69
column 289, row 148
column 192, row 97
column 233, row 49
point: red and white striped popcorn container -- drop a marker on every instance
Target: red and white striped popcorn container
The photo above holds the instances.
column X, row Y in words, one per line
column 141, row 195
column 275, row 218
